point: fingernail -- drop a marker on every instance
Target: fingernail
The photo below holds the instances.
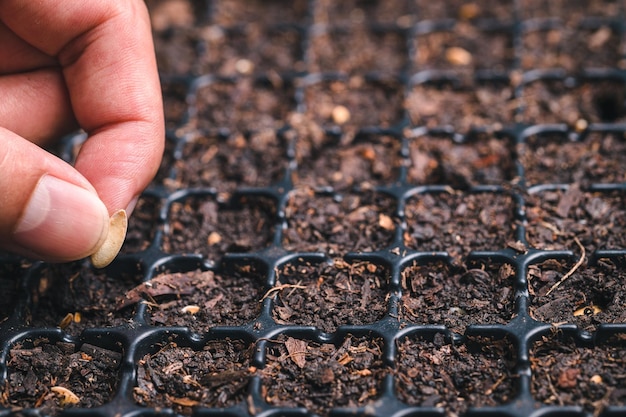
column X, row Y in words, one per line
column 131, row 206
column 62, row 221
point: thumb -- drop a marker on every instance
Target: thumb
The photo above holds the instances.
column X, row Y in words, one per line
column 48, row 210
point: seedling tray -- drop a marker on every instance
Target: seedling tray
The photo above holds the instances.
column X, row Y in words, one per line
column 381, row 208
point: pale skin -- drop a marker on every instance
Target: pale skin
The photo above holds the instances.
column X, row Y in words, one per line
column 66, row 64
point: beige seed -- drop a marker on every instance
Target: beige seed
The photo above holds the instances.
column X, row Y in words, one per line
column 104, row 255
column 190, row 309
column 65, row 396
column 596, row 379
column 214, row 238
column 340, row 114
column 458, row 56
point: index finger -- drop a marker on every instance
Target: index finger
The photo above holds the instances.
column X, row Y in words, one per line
column 107, row 57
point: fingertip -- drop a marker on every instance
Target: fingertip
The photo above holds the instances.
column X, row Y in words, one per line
column 61, row 221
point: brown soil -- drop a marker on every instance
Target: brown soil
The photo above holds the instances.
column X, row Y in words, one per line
column 203, row 226
column 459, row 222
column 338, row 224
column 469, row 106
column 255, row 160
column 567, row 374
column 435, row 373
column 457, row 296
column 591, row 295
column 181, row 378
column 326, row 160
column 330, row 295
column 41, row 376
column 553, row 159
column 229, row 299
column 75, row 297
column 301, row 373
column 442, row 161
column 556, row 219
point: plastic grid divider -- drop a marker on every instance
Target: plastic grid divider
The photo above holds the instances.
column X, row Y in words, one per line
column 138, row 336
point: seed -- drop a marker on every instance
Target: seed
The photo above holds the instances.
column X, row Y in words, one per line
column 67, row 320
column 214, row 238
column 104, row 255
column 65, row 396
column 191, row 309
column 458, row 56
column 340, row 114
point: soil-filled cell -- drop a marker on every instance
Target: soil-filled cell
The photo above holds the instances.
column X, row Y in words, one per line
column 555, row 101
column 56, row 377
column 320, row 377
column 184, row 379
column 566, row 219
column 75, row 297
column 553, row 159
column 459, row 222
column 354, row 104
column 586, row 295
column 481, row 106
column 571, row 49
column 442, row 161
column 457, row 296
column 255, row 160
column 202, row 299
column 330, row 295
column 203, row 226
column 439, row 374
column 464, row 47
column 565, row 374
column 359, row 51
column 251, row 49
column 243, row 106
column 325, row 160
column 339, row 224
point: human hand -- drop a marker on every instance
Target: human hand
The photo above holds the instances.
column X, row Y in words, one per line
column 67, row 64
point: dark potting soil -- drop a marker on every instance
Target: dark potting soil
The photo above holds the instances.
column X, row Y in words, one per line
column 55, row 377
column 331, row 108
column 181, row 378
column 330, row 295
column 436, row 373
column 301, row 373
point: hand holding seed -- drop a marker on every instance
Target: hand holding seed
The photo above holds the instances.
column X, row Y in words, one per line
column 83, row 64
